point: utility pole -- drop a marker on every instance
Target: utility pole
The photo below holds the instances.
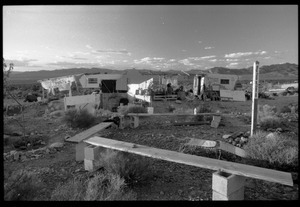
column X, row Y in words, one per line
column 255, row 87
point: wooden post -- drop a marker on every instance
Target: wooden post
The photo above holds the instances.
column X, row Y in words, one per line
column 255, row 86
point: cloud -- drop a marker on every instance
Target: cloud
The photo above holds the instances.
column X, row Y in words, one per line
column 183, row 50
column 232, row 65
column 232, row 60
column 119, row 52
column 185, row 62
column 243, row 54
column 172, row 60
column 148, row 60
column 208, row 48
column 201, row 58
column 199, row 42
column 67, row 64
column 88, row 46
column 238, row 55
column 213, row 60
column 20, row 62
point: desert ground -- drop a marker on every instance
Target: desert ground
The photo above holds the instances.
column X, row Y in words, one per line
column 169, row 181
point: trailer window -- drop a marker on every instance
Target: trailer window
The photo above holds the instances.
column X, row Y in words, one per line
column 224, row 81
column 92, row 80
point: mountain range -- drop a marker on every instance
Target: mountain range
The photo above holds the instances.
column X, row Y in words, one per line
column 286, row 71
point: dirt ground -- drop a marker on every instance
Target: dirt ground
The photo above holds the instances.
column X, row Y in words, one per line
column 171, row 181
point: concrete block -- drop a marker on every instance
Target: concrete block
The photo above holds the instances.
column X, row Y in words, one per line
column 92, row 152
column 237, row 195
column 122, row 122
column 134, row 121
column 226, row 184
column 79, row 148
column 214, row 124
column 89, row 165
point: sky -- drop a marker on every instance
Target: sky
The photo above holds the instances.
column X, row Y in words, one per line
column 156, row 37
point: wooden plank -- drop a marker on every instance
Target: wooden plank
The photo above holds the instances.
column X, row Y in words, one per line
column 232, row 149
column 191, row 123
column 89, row 132
column 169, row 114
column 203, row 162
column 202, row 143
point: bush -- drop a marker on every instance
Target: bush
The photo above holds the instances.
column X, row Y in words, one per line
column 203, row 108
column 285, row 109
column 133, row 168
column 276, row 150
column 103, row 186
column 70, row 191
column 21, row 185
column 136, row 109
column 79, row 118
column 270, row 122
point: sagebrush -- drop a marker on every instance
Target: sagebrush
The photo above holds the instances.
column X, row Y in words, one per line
column 79, row 118
column 275, row 149
column 102, row 186
column 133, row 168
column 21, row 185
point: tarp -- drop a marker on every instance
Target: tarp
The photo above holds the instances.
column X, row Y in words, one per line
column 142, row 89
column 62, row 83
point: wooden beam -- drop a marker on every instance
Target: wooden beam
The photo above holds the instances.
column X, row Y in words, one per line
column 191, row 123
column 170, row 114
column 89, row 132
column 203, row 162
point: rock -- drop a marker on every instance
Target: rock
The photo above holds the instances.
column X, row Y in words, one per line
column 17, row 134
column 43, row 142
column 238, row 145
column 161, row 193
column 47, row 151
column 12, row 152
column 56, row 145
column 230, row 140
column 271, row 136
column 178, row 101
column 233, row 143
column 226, row 136
column 270, row 130
column 180, row 192
column 237, row 140
column 279, row 130
column 243, row 139
column 32, row 133
column 16, row 156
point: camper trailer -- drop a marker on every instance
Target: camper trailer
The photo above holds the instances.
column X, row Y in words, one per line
column 215, row 84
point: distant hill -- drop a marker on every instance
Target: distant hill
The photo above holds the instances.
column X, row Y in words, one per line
column 268, row 72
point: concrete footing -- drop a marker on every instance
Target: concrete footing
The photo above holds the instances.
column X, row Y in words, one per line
column 79, row 148
column 134, row 121
column 226, row 186
column 92, row 157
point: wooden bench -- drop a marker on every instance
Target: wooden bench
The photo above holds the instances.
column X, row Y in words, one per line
column 227, row 183
column 78, row 138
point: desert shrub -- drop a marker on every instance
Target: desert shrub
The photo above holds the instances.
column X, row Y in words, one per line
column 69, row 191
column 102, row 186
column 79, row 118
column 107, row 186
column 136, row 109
column 270, row 122
column 133, row 168
column 203, row 108
column 285, row 109
column 276, row 149
column 267, row 117
column 21, row 185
